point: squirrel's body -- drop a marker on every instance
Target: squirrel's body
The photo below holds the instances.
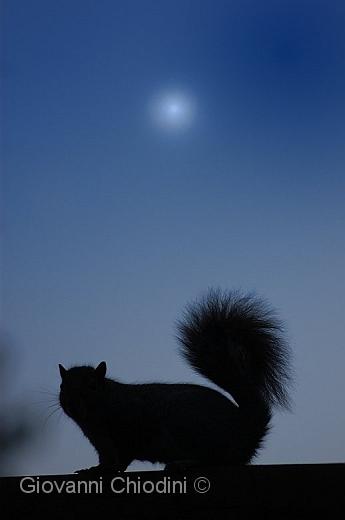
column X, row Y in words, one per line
column 232, row 340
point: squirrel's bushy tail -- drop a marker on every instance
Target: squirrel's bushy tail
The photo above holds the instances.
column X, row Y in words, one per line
column 236, row 341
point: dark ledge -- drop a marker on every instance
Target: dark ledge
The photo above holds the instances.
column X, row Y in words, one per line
column 235, row 492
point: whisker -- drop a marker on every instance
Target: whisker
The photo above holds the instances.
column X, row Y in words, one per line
column 60, row 415
column 45, row 391
column 53, row 405
column 49, row 416
column 48, row 402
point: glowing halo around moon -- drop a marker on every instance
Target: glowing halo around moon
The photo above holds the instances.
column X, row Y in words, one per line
column 173, row 111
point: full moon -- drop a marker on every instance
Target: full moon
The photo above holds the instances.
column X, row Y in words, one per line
column 173, row 110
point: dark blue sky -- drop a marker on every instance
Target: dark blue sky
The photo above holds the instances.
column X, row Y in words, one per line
column 112, row 222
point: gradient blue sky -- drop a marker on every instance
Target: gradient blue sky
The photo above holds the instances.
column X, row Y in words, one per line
column 112, row 223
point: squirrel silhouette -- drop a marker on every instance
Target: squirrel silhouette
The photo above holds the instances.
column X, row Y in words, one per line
column 233, row 340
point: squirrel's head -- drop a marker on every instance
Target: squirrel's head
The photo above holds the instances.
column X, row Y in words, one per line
column 79, row 389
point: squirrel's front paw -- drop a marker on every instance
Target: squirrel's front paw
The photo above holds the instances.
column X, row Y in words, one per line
column 98, row 470
column 89, row 471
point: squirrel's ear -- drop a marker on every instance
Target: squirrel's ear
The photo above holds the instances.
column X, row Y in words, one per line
column 101, row 370
column 62, row 371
